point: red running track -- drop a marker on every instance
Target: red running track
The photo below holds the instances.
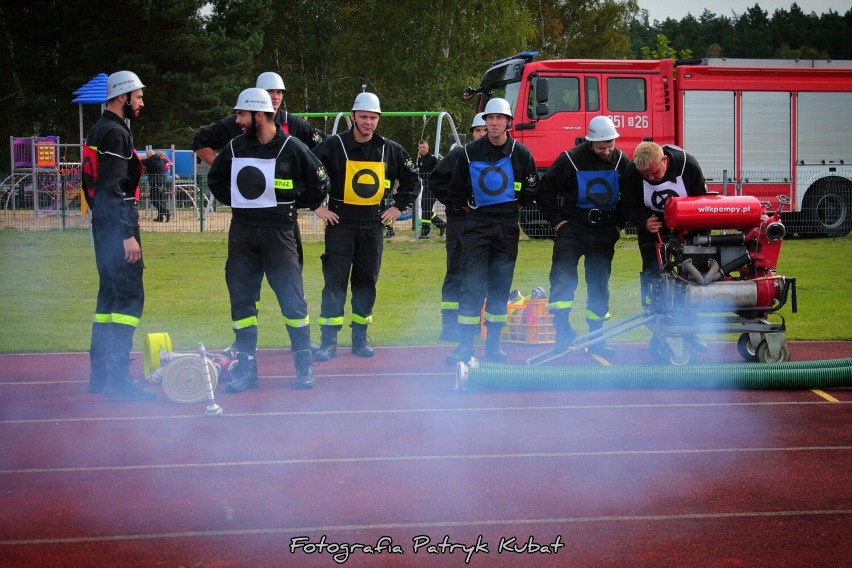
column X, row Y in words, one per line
column 384, row 464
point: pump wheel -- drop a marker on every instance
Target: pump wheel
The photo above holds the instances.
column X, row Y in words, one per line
column 681, row 360
column 746, row 349
column 662, row 353
column 761, row 354
column 658, row 350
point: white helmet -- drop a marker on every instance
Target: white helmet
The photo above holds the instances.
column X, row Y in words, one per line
column 254, row 100
column 477, row 121
column 601, row 129
column 122, row 82
column 270, row 81
column 497, row 106
column 367, row 102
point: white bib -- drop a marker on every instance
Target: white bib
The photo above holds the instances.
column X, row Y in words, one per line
column 252, row 183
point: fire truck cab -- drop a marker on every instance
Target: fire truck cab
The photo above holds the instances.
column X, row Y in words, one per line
column 779, row 130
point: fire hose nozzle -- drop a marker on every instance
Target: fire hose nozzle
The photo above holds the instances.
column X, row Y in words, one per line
column 775, row 231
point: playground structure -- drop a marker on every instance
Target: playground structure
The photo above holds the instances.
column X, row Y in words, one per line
column 45, row 176
column 44, row 181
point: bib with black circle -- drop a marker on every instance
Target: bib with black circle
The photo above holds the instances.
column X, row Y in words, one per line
column 253, row 181
column 597, row 189
column 656, row 195
column 365, row 182
column 493, row 183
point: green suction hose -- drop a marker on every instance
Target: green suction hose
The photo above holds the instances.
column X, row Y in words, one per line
column 799, row 375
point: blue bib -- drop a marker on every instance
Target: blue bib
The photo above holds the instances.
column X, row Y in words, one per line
column 493, row 183
column 597, row 189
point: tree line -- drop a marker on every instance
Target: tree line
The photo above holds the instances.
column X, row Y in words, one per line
column 195, row 56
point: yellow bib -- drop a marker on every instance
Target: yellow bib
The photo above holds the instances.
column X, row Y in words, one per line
column 365, row 183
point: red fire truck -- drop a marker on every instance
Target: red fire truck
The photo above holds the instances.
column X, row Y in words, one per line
column 766, row 128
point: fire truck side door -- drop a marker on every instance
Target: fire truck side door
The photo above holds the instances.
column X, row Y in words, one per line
column 571, row 101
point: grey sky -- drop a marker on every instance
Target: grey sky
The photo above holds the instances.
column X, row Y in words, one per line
column 677, row 9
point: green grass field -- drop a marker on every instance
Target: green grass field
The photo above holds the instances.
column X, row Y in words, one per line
column 49, row 284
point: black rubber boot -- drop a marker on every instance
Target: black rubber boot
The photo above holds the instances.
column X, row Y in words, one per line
column 440, row 224
column 123, row 387
column 120, row 385
column 98, row 368
column 328, row 344
column 449, row 326
column 464, row 350
column 389, row 232
column 304, row 373
column 360, row 345
column 493, row 349
column 565, row 334
column 243, row 374
column 425, row 229
column 600, row 348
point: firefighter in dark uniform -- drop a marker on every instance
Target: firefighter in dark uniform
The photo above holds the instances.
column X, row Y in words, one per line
column 426, row 163
column 494, row 177
column 451, row 291
column 155, row 168
column 362, row 167
column 656, row 174
column 579, row 197
column 111, row 174
column 265, row 175
column 208, row 139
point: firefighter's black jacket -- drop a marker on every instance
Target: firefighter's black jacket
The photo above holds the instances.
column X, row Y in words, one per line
column 117, row 174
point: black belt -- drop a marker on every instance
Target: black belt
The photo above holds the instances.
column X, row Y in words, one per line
column 593, row 216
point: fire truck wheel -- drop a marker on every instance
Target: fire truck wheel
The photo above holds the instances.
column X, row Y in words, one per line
column 828, row 209
column 745, row 347
column 763, row 356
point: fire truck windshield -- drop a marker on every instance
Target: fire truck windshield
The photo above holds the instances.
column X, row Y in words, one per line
column 502, row 81
column 508, row 92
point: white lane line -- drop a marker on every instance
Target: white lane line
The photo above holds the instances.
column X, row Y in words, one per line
column 386, row 459
column 198, row 416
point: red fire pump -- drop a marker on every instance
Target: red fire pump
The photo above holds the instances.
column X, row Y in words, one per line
column 716, row 275
column 720, row 257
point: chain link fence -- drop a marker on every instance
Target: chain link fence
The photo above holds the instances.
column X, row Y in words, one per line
column 51, row 199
